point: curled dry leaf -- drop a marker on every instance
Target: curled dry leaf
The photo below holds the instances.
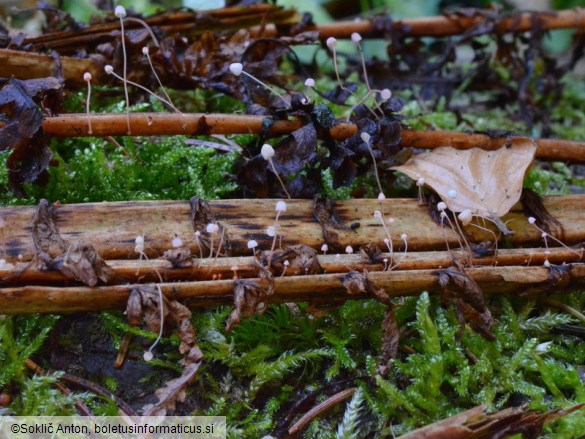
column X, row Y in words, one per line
column 201, row 215
column 390, row 340
column 20, row 102
column 488, row 183
column 250, row 297
column 144, row 304
column 354, row 282
column 360, row 283
column 371, row 254
column 179, row 257
column 46, row 238
column 559, row 276
column 332, row 229
column 79, row 261
column 83, row 263
column 534, row 207
column 301, row 259
column 467, row 298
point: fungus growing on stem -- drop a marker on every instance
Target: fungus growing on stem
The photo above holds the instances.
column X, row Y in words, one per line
column 349, row 249
column 177, row 242
column 272, row 230
column 110, row 71
column 545, row 235
column 441, row 207
column 197, row 234
column 252, row 244
column 366, row 138
column 332, row 44
column 212, row 231
column 324, row 248
column 356, row 38
column 148, row 355
column 404, row 238
column 286, row 264
column 139, row 247
column 146, row 52
column 267, row 153
column 120, row 12
column 87, row 78
column 237, row 69
column 420, row 184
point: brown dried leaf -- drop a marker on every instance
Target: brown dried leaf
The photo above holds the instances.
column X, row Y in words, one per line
column 250, row 297
column 390, row 340
column 371, row 254
column 534, row 207
column 488, row 183
column 144, row 302
column 179, row 257
column 174, row 390
column 134, row 307
column 47, row 240
column 21, row 102
column 83, row 263
column 332, row 229
column 301, row 258
column 80, row 262
column 468, row 300
column 181, row 315
column 354, row 282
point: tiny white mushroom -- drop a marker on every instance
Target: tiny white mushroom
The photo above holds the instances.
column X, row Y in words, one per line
column 349, row 249
column 236, row 68
column 267, row 151
column 386, row 94
column 310, row 82
column 120, row 11
column 331, row 42
column 356, row 37
column 465, row 217
column 280, row 206
column 452, row 193
column 177, row 242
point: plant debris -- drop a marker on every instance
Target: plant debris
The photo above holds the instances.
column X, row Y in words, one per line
column 144, row 304
column 488, row 183
column 79, row 260
column 21, row 102
column 467, row 299
column 332, row 229
column 300, row 259
column 251, row 296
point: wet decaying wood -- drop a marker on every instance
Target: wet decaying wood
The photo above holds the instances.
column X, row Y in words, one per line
column 111, row 228
column 328, row 287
